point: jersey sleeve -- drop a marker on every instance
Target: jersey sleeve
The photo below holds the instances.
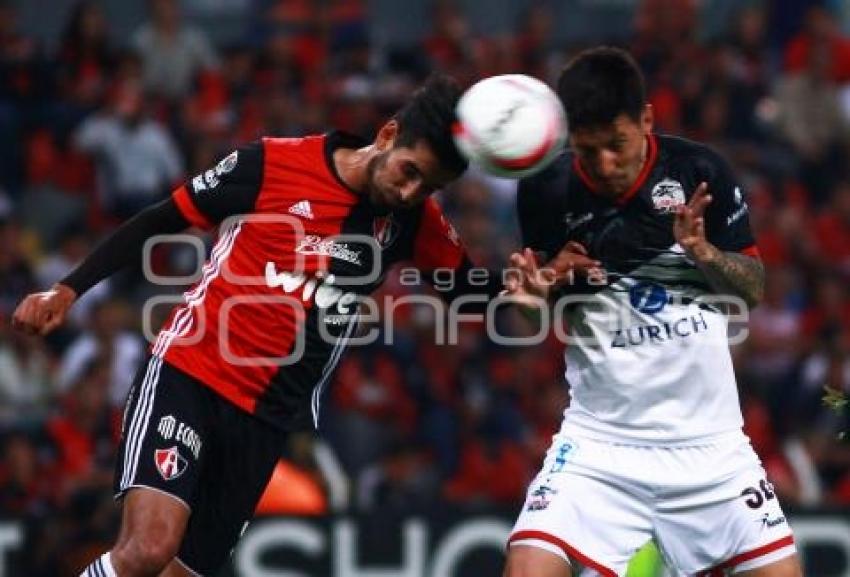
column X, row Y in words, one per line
column 124, row 246
column 727, row 218
column 228, row 188
column 436, row 244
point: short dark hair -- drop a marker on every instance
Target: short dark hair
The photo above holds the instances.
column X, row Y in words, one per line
column 598, row 85
column 429, row 115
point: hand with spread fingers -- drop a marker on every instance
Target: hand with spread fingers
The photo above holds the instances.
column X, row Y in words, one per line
column 528, row 283
column 689, row 226
column 40, row 313
column 571, row 260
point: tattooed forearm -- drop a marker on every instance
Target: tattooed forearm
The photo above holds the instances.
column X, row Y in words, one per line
column 737, row 274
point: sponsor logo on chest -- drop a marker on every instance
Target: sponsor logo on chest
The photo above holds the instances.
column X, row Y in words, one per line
column 320, row 291
column 682, row 328
column 313, row 245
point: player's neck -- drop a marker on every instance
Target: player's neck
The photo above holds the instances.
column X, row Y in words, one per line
column 352, row 166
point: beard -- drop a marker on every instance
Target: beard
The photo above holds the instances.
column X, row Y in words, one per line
column 380, row 198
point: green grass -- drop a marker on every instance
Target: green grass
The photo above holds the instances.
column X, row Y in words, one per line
column 646, row 562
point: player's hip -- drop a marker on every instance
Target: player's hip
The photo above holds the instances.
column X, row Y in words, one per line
column 655, row 466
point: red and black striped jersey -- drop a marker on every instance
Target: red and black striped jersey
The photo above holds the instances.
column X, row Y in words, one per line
column 296, row 252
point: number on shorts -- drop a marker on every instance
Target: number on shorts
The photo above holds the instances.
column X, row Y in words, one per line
column 756, row 496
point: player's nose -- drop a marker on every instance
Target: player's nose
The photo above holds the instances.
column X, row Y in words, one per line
column 606, row 164
column 412, row 190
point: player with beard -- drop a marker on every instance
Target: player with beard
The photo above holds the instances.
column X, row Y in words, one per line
column 306, row 228
column 651, row 445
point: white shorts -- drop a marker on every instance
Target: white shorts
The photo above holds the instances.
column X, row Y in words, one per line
column 709, row 508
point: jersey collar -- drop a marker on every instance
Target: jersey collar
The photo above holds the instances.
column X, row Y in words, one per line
column 651, row 157
column 339, row 139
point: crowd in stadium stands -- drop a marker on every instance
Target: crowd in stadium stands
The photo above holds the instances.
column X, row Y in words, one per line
column 95, row 131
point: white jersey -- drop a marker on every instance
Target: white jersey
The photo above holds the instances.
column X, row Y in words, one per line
column 650, row 361
column 648, row 357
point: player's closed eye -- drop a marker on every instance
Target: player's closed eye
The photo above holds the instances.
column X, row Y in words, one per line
column 410, row 171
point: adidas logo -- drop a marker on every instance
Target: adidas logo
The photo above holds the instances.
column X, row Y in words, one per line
column 302, row 209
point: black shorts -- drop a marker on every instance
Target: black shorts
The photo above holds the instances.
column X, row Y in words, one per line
column 181, row 438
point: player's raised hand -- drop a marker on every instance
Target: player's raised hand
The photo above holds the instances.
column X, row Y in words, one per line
column 523, row 280
column 40, row 313
column 571, row 260
column 527, row 282
column 689, row 224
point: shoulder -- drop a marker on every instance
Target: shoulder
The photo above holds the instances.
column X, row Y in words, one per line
column 245, row 165
column 277, row 146
column 700, row 156
column 549, row 183
column 293, row 156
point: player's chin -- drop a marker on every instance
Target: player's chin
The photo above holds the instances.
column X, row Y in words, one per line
column 392, row 200
column 409, row 203
column 614, row 189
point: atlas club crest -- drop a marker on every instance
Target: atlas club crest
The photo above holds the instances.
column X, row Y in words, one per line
column 385, row 230
column 170, row 463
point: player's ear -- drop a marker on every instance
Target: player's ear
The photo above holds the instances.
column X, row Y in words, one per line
column 647, row 118
column 386, row 135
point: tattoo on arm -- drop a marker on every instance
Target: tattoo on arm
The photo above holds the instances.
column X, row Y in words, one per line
column 737, row 274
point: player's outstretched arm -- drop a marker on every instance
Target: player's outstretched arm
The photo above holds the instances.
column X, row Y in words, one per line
column 40, row 313
column 728, row 272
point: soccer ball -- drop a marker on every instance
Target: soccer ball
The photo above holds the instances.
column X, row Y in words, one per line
column 510, row 125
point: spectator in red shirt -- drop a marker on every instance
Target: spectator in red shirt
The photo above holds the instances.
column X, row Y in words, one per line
column 820, row 27
column 86, row 433
column 832, row 230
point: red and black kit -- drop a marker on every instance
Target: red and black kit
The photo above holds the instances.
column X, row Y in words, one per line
column 296, row 251
column 245, row 357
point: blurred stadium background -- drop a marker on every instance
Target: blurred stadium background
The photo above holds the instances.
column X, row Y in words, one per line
column 426, row 449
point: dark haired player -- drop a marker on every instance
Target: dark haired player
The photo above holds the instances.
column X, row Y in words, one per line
column 651, row 445
column 244, row 359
